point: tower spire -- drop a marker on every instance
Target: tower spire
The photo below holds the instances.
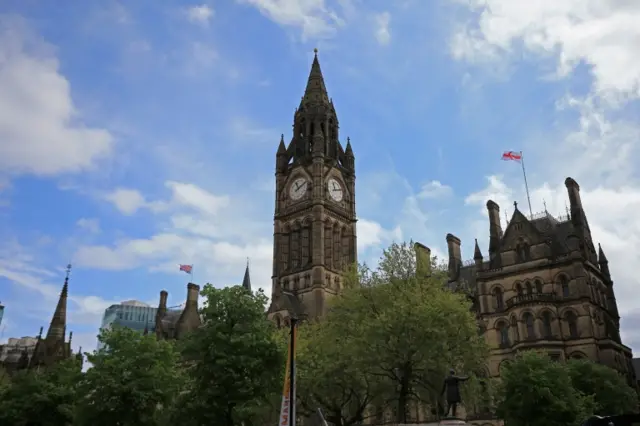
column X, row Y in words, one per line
column 316, row 91
column 58, row 325
column 246, row 281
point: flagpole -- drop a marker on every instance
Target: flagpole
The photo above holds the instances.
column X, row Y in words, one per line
column 526, row 185
column 191, row 273
column 292, row 372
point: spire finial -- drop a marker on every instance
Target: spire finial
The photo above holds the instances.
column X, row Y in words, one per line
column 247, row 261
column 515, row 205
column 544, row 203
column 315, row 51
column 68, row 270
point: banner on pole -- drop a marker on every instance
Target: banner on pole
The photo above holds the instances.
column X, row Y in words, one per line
column 288, row 406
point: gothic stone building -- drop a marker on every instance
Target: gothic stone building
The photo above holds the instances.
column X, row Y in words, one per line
column 315, row 213
column 49, row 350
column 543, row 286
column 173, row 324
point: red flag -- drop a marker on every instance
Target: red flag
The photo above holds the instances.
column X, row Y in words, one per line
column 512, row 156
column 186, row 268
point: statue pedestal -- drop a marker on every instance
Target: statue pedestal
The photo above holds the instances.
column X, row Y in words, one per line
column 452, row 421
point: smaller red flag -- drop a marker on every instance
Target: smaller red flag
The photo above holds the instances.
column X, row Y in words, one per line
column 186, row 268
column 512, row 156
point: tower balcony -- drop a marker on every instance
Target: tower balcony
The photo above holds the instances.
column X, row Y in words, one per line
column 532, row 298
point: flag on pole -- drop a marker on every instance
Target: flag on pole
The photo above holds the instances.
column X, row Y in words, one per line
column 186, row 268
column 512, row 156
column 288, row 407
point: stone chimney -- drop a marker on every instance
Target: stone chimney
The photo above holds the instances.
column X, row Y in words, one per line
column 455, row 257
column 423, row 260
column 193, row 291
column 495, row 229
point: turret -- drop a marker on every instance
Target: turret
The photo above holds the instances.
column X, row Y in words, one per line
column 246, row 281
column 603, row 263
column 477, row 256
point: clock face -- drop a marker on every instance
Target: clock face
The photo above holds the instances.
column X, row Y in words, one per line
column 335, row 190
column 298, row 188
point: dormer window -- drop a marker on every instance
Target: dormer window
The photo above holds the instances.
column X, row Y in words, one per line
column 522, row 251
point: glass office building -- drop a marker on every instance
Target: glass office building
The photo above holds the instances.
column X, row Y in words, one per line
column 132, row 314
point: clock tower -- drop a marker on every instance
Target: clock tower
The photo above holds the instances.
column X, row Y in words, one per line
column 315, row 209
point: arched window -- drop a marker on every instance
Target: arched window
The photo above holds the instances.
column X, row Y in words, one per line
column 499, row 298
column 529, row 324
column 519, row 289
column 546, row 324
column 564, row 285
column 539, row 286
column 278, row 321
column 514, row 329
column 528, row 287
column 572, row 323
column 503, row 333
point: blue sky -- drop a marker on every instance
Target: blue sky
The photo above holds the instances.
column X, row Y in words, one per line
column 135, row 136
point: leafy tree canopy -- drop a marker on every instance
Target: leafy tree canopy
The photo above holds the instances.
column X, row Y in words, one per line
column 132, row 379
column 400, row 327
column 43, row 398
column 536, row 391
column 610, row 392
column 236, row 360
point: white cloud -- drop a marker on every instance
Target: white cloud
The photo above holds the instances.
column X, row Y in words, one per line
column 90, row 225
column 41, row 130
column 382, row 31
column 434, row 189
column 190, row 195
column 200, row 14
column 601, row 33
column 128, row 201
column 314, row 17
column 372, row 234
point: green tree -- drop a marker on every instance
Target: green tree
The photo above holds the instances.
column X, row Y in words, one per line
column 610, row 392
column 41, row 398
column 402, row 328
column 536, row 391
column 133, row 378
column 327, row 378
column 237, row 362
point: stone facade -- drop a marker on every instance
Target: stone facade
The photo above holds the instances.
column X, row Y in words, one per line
column 315, row 210
column 543, row 286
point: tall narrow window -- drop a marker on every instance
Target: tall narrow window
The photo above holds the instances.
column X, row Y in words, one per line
column 328, row 245
column 305, row 245
column 528, row 287
column 564, row 285
column 285, row 251
column 529, row 324
column 519, row 289
column 514, row 329
column 295, row 249
column 572, row 324
column 503, row 334
column 546, row 324
column 345, row 248
column 337, row 246
column 499, row 299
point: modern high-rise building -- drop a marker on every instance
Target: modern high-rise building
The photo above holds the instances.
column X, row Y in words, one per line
column 132, row 314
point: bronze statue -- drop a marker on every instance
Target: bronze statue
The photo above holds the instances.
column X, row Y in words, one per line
column 451, row 386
